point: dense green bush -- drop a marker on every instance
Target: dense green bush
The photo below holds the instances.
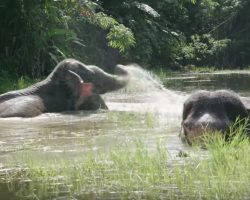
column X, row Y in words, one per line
column 35, row 35
column 203, row 49
column 226, row 22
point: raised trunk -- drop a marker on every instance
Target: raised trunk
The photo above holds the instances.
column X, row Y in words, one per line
column 103, row 82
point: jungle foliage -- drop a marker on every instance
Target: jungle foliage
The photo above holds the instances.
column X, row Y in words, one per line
column 168, row 34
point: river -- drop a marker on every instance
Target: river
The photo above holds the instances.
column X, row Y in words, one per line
column 148, row 109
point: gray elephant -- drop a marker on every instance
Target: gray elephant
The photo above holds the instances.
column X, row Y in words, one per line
column 72, row 85
column 211, row 112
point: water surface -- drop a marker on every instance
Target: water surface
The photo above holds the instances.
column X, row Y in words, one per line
column 148, row 109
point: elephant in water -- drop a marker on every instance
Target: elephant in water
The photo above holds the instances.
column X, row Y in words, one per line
column 206, row 111
column 72, row 85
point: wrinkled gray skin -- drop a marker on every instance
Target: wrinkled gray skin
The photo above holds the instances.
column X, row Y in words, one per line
column 60, row 91
column 211, row 112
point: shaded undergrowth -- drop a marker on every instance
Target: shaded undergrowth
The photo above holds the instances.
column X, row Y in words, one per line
column 8, row 83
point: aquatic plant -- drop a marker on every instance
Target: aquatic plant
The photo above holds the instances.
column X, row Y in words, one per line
column 220, row 172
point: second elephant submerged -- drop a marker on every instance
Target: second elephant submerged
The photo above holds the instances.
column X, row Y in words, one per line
column 72, row 85
column 211, row 112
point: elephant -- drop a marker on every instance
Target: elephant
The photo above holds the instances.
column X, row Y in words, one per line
column 211, row 112
column 72, row 85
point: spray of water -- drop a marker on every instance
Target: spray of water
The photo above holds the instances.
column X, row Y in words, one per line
column 146, row 93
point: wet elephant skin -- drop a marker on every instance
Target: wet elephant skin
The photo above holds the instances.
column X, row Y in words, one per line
column 211, row 112
column 61, row 91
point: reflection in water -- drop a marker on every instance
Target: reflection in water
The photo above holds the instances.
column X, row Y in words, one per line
column 237, row 81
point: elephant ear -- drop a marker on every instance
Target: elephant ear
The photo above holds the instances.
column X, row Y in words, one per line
column 84, row 89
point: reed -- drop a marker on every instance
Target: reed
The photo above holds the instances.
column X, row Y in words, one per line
column 222, row 171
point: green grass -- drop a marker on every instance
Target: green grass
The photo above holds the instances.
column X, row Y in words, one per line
column 224, row 174
column 148, row 120
column 8, row 82
column 193, row 68
column 220, row 172
column 165, row 73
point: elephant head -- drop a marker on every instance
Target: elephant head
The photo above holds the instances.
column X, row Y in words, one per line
column 70, row 86
column 46, row 96
column 210, row 112
column 102, row 82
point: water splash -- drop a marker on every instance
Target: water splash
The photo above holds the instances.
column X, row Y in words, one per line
column 146, row 93
column 142, row 80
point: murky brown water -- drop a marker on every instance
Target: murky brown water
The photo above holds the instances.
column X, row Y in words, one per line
column 144, row 110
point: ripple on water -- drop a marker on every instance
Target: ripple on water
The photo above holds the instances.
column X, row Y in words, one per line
column 144, row 109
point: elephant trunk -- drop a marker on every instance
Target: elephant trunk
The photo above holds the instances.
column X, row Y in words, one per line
column 110, row 83
column 120, row 70
column 103, row 82
column 106, row 82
